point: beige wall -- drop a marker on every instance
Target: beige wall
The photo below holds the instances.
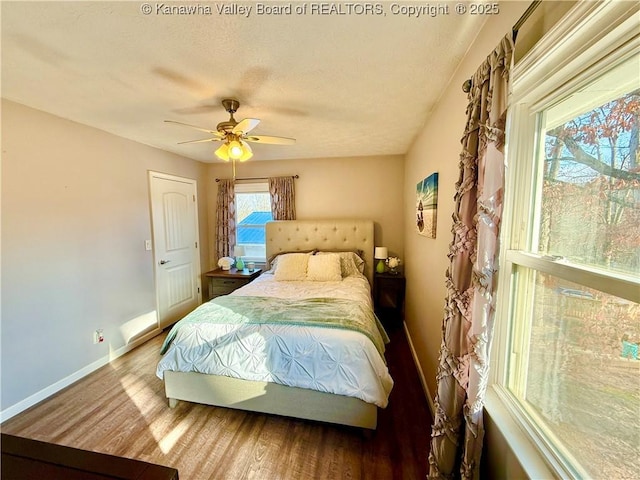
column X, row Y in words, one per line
column 75, row 216
column 437, row 149
column 354, row 187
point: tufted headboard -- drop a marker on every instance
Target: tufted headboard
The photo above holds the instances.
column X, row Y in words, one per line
column 301, row 235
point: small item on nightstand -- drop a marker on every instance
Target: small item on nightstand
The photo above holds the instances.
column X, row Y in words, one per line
column 251, row 266
column 238, row 252
column 393, row 263
column 380, row 254
column 225, row 263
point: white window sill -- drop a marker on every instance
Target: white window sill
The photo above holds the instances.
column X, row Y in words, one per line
column 525, row 452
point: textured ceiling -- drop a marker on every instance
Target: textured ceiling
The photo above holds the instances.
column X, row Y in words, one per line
column 341, row 83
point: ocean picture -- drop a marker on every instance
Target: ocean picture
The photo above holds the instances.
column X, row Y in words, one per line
column 427, row 206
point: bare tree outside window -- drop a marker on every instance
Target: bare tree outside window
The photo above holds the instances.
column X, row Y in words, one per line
column 591, row 189
column 582, row 374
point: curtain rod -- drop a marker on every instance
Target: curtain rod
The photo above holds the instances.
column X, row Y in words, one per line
column 260, row 178
column 525, row 16
column 466, row 86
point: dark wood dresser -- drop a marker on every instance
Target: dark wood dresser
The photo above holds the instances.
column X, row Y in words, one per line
column 26, row 459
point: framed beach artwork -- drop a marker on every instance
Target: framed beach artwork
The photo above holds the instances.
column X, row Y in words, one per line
column 427, row 206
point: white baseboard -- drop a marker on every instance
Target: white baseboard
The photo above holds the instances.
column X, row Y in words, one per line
column 47, row 392
column 420, row 373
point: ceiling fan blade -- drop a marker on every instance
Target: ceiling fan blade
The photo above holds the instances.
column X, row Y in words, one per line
column 214, row 139
column 212, row 132
column 270, row 139
column 245, row 125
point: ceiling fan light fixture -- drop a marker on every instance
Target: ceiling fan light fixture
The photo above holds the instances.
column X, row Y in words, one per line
column 223, row 152
column 247, row 153
column 233, row 135
column 235, row 149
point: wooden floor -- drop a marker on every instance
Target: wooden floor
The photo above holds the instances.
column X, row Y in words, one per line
column 121, row 410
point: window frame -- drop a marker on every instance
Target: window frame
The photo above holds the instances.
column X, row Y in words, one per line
column 248, row 188
column 590, row 39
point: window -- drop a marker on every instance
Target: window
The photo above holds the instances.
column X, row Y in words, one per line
column 253, row 211
column 568, row 323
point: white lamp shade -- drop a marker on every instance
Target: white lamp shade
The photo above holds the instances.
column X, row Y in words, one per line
column 238, row 251
column 381, row 253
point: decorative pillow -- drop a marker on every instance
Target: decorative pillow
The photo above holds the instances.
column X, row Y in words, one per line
column 324, row 268
column 292, row 266
column 272, row 261
column 351, row 263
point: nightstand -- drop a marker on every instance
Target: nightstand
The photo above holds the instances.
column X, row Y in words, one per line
column 388, row 296
column 223, row 282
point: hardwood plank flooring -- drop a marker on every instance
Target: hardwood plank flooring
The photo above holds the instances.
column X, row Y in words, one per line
column 121, row 410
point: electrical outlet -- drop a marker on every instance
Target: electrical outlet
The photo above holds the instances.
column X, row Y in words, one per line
column 98, row 336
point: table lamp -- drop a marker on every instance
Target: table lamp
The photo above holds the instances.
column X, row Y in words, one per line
column 238, row 252
column 380, row 254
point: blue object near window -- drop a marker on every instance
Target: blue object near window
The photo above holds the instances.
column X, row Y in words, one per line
column 251, row 229
column 629, row 350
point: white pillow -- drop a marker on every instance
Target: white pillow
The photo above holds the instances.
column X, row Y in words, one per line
column 292, row 266
column 273, row 260
column 324, row 268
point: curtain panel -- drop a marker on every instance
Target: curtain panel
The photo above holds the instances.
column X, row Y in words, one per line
column 471, row 280
column 283, row 204
column 225, row 219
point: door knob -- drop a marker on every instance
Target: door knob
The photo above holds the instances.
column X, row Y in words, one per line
column 162, row 262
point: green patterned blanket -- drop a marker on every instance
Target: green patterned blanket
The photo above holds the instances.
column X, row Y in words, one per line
column 316, row 312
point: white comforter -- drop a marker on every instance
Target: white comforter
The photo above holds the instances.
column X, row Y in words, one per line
column 330, row 360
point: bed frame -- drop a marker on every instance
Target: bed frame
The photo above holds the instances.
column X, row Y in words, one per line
column 266, row 397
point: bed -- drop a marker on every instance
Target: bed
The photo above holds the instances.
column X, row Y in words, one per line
column 297, row 368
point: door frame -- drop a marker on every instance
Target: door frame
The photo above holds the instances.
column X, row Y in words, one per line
column 155, row 259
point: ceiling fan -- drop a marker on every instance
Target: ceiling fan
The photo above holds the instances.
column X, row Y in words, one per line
column 234, row 135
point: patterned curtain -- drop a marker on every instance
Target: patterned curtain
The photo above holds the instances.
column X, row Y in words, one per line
column 225, row 219
column 457, row 435
column 283, row 204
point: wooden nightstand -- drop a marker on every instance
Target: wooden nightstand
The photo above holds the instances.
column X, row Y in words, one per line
column 388, row 296
column 223, row 282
